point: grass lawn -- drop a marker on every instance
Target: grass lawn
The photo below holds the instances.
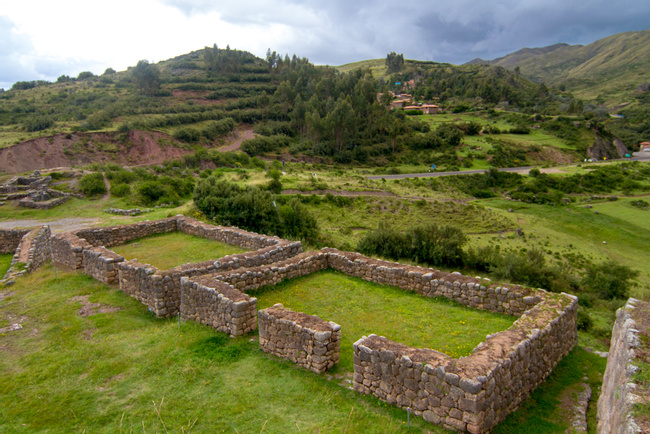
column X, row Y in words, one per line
column 362, row 308
column 127, row 371
column 165, row 251
column 5, row 263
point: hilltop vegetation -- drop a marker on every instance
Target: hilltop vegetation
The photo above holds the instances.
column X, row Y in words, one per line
column 303, row 112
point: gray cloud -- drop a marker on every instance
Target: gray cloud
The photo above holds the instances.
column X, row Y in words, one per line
column 340, row 31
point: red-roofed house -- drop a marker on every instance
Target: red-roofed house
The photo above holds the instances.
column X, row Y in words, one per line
column 644, row 146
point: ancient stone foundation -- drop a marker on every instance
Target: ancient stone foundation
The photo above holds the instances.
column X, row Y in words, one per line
column 306, row 340
column 219, row 306
column 471, row 393
column 160, row 290
column 616, row 400
column 10, row 238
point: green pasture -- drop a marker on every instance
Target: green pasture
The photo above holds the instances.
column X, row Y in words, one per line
column 165, row 251
column 362, row 308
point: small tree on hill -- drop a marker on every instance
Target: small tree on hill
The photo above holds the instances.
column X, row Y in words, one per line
column 394, row 62
column 146, row 77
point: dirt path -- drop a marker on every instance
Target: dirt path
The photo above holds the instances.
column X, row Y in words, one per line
column 108, row 189
column 56, row 226
column 243, row 134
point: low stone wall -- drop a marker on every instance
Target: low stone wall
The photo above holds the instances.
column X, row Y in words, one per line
column 472, row 393
column 122, row 234
column 306, row 340
column 218, row 306
column 250, row 278
column 27, row 202
column 468, row 394
column 32, row 252
column 617, row 394
column 10, row 238
column 161, row 290
column 67, row 250
column 38, row 248
column 129, row 212
column 99, row 262
column 228, row 235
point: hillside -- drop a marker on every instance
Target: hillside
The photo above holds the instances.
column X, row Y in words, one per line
column 608, row 70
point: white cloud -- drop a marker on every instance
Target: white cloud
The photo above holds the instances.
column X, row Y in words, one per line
column 43, row 38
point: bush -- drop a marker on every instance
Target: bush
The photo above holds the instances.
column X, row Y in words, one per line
column 120, row 190
column 92, row 184
column 253, row 209
column 430, row 244
column 609, row 280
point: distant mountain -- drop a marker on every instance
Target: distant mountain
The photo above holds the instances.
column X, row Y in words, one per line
column 513, row 59
column 608, row 70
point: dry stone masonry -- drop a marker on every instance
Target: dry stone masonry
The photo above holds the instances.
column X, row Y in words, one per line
column 160, row 290
column 219, row 306
column 617, row 394
column 470, row 394
column 306, row 340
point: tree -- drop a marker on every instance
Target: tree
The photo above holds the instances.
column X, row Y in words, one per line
column 146, row 77
column 394, row 62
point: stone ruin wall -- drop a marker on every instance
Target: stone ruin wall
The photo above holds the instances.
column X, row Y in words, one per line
column 615, row 404
column 36, row 244
column 306, row 340
column 473, row 393
column 160, row 290
column 10, row 238
column 67, row 250
column 101, row 263
column 219, row 306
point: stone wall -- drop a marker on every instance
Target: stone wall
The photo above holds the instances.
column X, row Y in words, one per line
column 616, row 396
column 468, row 394
column 218, row 306
column 472, row 393
column 10, row 238
column 306, row 340
column 67, row 250
column 37, row 243
column 122, row 234
column 100, row 263
column 32, row 252
column 27, row 202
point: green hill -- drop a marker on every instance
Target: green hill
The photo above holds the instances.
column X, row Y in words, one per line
column 608, row 71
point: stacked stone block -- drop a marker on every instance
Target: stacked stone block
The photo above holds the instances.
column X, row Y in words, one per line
column 616, row 401
column 472, row 393
column 218, row 305
column 10, row 238
column 467, row 394
column 67, row 250
column 100, row 263
column 306, row 340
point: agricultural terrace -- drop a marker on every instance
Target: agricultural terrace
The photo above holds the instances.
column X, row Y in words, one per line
column 362, row 308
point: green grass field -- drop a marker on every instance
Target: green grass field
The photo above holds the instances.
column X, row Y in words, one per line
column 165, row 251
column 126, row 371
column 363, row 308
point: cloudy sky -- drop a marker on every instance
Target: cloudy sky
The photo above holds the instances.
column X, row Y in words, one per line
column 43, row 39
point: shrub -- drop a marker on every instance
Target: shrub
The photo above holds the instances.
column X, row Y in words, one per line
column 430, row 244
column 120, row 190
column 609, row 280
column 92, row 184
column 253, row 209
